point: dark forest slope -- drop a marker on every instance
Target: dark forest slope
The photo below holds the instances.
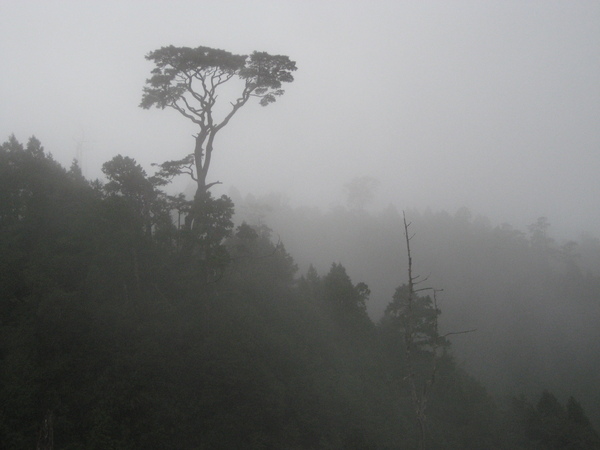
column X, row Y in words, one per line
column 112, row 335
column 534, row 301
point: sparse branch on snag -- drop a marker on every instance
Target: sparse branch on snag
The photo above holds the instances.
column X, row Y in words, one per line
column 422, row 289
column 413, row 338
column 421, row 281
column 458, row 332
column 409, row 342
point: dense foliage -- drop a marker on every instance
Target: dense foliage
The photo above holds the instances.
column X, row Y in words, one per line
column 112, row 335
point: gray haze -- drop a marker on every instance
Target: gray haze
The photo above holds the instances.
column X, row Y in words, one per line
column 494, row 106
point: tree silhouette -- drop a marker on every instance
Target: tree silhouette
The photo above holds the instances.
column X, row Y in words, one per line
column 189, row 80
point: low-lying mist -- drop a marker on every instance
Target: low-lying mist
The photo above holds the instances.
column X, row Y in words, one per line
column 532, row 297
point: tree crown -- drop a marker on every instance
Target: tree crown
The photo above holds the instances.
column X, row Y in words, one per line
column 200, row 71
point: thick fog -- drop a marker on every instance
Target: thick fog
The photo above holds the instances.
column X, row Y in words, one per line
column 494, row 106
column 176, row 322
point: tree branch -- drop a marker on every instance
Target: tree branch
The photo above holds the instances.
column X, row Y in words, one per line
column 209, row 185
column 182, row 111
column 198, row 112
column 458, row 332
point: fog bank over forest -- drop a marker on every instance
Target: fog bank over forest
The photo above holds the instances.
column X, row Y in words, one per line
column 124, row 326
column 531, row 297
column 491, row 106
column 272, row 302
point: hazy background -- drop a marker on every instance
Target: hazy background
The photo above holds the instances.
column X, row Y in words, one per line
column 490, row 105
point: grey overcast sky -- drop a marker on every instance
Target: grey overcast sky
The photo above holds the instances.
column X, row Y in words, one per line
column 491, row 105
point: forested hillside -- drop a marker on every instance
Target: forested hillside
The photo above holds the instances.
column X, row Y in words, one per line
column 534, row 300
column 120, row 327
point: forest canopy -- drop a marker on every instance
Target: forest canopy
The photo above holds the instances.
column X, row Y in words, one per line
column 113, row 336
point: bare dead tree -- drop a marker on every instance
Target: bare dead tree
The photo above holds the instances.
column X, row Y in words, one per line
column 419, row 401
column 420, row 393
